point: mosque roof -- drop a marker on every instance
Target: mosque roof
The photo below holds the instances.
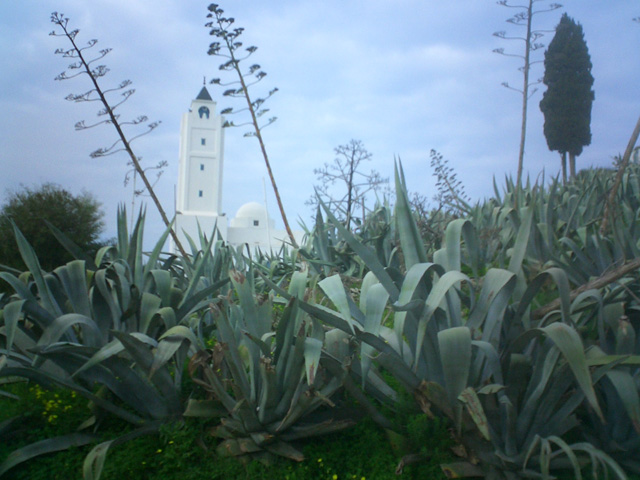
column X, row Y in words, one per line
column 204, row 95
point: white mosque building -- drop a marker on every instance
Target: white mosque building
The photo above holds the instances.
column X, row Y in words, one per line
column 199, row 192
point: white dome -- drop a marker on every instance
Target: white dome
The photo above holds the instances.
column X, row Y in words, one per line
column 252, row 215
column 252, row 210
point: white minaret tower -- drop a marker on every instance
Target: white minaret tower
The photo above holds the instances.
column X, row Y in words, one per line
column 199, row 195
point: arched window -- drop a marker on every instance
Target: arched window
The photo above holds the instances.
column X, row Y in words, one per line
column 202, row 111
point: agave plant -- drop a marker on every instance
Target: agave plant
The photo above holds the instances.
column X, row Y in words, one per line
column 469, row 348
column 119, row 323
column 619, row 434
column 325, row 252
column 266, row 386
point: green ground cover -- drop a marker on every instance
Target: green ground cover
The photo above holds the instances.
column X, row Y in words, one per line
column 184, row 451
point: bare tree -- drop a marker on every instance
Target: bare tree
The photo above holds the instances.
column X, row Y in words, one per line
column 82, row 65
column 524, row 18
column 353, row 184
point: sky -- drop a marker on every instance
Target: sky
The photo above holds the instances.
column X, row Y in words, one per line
column 404, row 77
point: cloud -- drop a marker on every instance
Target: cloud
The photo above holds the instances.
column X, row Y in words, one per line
column 404, row 78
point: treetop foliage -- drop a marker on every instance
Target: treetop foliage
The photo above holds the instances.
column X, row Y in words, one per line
column 566, row 104
column 79, row 217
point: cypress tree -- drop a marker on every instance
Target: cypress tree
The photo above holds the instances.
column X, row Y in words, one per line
column 566, row 104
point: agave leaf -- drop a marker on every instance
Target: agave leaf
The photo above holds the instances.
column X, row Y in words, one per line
column 49, row 445
column 414, row 277
column 301, row 403
column 111, row 349
column 149, row 306
column 232, row 354
column 73, row 277
column 194, row 278
column 312, row 351
column 203, row 408
column 297, row 432
column 265, row 348
column 284, row 334
column 20, row 287
column 559, row 277
column 582, row 263
column 335, row 291
column 166, row 317
column 104, row 301
column 144, row 359
column 626, row 388
column 568, row 341
column 607, row 359
column 497, row 287
column 116, row 374
column 212, row 381
column 455, row 355
column 536, row 382
column 134, row 249
column 555, row 410
column 286, row 450
column 298, row 283
column 320, row 240
column 31, row 261
column 152, row 260
column 191, row 303
column 234, row 447
column 122, row 233
column 595, row 297
column 321, row 312
column 71, row 247
column 440, row 289
column 255, row 323
column 12, row 313
column 43, row 378
column 94, row 461
column 453, row 235
column 336, row 344
column 167, row 348
column 293, row 371
column 163, row 283
column 522, row 240
column 461, row 470
column 469, row 397
column 53, row 333
column 184, row 333
column 375, row 303
column 365, row 253
column 268, row 396
column 492, row 361
column 543, row 458
column 410, row 239
column 598, row 457
column 368, row 280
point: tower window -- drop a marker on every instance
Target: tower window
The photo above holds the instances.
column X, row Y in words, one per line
column 256, row 223
column 201, row 166
column 203, row 112
column 199, row 193
column 203, row 141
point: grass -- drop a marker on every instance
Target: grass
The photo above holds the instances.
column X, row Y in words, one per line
column 185, row 451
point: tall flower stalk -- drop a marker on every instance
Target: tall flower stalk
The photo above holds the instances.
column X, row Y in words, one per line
column 84, row 66
column 229, row 48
